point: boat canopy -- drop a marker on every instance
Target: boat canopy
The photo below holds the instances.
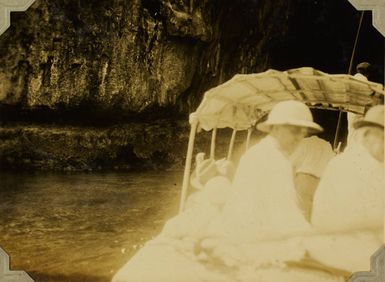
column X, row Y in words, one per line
column 243, row 100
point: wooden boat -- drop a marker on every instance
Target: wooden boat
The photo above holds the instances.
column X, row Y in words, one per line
column 239, row 104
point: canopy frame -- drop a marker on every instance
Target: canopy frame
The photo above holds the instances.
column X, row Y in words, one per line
column 252, row 113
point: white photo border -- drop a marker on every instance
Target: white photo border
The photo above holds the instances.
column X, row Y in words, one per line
column 8, row 6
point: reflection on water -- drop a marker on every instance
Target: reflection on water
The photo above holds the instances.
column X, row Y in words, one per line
column 82, row 227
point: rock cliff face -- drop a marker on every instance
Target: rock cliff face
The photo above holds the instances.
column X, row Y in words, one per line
column 111, row 54
column 109, row 61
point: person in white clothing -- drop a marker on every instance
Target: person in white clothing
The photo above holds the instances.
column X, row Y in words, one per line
column 363, row 71
column 309, row 161
column 264, row 201
column 350, row 195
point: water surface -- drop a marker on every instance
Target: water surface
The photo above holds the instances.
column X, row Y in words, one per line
column 82, row 227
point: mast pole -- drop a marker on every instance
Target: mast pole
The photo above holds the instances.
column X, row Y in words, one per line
column 335, row 143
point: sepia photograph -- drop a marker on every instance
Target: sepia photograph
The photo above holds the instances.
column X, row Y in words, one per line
column 192, row 140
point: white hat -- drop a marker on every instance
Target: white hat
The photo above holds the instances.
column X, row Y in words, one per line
column 290, row 113
column 373, row 117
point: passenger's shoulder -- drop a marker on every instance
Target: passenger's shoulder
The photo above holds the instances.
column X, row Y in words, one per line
column 337, row 164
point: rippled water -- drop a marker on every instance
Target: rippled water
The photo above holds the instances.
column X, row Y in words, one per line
column 82, row 227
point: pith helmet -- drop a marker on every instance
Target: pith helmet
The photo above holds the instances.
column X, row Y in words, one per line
column 364, row 66
column 373, row 117
column 290, row 113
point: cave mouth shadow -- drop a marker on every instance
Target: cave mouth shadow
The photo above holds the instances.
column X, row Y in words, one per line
column 85, row 114
column 328, row 119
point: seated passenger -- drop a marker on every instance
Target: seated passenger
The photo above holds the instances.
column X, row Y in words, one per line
column 264, row 202
column 363, row 70
column 348, row 206
column 309, row 161
column 350, row 195
column 212, row 179
column 206, row 169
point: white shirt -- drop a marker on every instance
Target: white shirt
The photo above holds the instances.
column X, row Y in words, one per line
column 263, row 204
column 352, row 118
column 312, row 156
column 351, row 193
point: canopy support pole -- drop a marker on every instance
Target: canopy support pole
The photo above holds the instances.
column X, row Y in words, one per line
column 187, row 169
column 212, row 147
column 249, row 131
column 231, row 144
column 335, row 143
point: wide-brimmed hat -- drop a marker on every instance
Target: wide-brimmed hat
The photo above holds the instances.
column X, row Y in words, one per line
column 373, row 117
column 290, row 113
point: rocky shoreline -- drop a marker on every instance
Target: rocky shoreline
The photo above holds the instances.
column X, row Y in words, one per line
column 159, row 145
column 156, row 145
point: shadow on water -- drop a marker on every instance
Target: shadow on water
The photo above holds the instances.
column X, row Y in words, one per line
column 82, row 227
